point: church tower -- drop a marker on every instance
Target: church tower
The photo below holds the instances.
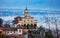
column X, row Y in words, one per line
column 26, row 12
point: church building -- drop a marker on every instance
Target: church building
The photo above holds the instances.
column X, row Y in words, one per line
column 27, row 21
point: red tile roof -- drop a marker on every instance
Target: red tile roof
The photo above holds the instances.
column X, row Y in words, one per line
column 8, row 29
column 15, row 21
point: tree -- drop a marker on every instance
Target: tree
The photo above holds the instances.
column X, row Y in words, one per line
column 6, row 25
column 56, row 24
column 42, row 30
column 48, row 34
column 1, row 21
column 3, row 36
column 47, row 21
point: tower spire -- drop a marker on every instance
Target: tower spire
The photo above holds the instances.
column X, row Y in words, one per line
column 26, row 8
column 26, row 4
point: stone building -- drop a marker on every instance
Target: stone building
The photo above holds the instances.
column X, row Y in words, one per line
column 28, row 21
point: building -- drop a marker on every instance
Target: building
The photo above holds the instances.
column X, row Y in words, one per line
column 36, row 34
column 28, row 21
column 14, row 32
column 20, row 26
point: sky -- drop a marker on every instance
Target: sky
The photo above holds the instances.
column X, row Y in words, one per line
column 36, row 4
column 37, row 9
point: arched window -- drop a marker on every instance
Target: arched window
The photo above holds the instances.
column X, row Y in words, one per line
column 32, row 26
column 27, row 26
column 35, row 26
column 24, row 24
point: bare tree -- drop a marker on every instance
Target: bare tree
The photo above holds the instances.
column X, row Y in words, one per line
column 55, row 22
column 47, row 21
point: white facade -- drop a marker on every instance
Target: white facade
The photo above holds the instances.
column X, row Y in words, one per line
column 19, row 31
column 20, row 23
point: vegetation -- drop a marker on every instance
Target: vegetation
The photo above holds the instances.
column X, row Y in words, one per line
column 3, row 36
column 1, row 21
column 6, row 25
column 41, row 28
column 48, row 34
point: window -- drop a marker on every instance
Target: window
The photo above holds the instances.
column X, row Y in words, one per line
column 27, row 26
column 7, row 31
column 32, row 24
column 24, row 24
column 10, row 31
column 0, row 32
column 19, row 30
column 14, row 31
column 35, row 26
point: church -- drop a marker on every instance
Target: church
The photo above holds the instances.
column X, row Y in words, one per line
column 26, row 22
column 20, row 26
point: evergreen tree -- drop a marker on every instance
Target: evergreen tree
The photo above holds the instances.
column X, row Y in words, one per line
column 1, row 21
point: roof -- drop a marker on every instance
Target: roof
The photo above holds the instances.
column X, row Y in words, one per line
column 15, row 21
column 8, row 29
column 16, row 18
column 24, row 31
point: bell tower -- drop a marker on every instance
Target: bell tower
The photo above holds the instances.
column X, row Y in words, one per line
column 26, row 12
